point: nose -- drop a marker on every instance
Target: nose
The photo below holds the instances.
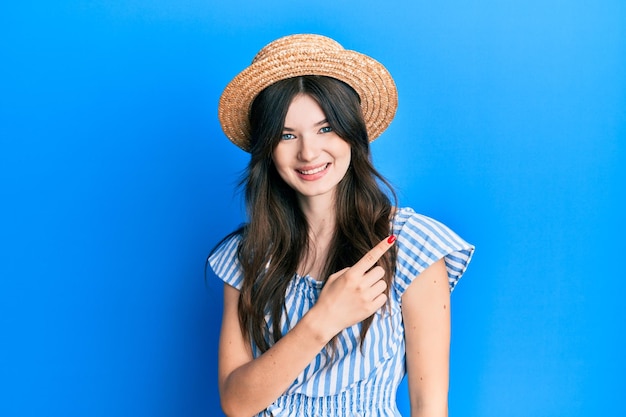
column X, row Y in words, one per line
column 309, row 148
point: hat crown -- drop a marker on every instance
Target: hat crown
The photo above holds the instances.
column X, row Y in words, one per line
column 301, row 44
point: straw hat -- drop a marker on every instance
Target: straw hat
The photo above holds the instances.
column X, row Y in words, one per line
column 297, row 55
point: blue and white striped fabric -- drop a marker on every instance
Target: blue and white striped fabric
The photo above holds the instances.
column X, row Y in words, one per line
column 348, row 382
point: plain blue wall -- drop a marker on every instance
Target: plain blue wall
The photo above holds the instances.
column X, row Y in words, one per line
column 116, row 181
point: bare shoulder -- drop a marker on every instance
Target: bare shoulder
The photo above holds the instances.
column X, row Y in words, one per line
column 432, row 282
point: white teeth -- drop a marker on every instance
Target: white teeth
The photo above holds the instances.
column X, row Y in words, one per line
column 313, row 171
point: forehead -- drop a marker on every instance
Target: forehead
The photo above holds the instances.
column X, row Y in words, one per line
column 304, row 111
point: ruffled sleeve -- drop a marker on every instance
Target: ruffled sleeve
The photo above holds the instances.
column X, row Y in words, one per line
column 225, row 264
column 422, row 241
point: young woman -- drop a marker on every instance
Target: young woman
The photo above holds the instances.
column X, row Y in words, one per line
column 332, row 293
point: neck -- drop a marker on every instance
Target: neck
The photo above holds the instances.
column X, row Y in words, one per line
column 320, row 216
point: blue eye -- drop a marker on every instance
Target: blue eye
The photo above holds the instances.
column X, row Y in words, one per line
column 326, row 129
column 287, row 136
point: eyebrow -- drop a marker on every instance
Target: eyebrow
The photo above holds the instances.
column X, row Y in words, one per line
column 321, row 122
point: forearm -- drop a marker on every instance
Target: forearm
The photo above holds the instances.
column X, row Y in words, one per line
column 254, row 385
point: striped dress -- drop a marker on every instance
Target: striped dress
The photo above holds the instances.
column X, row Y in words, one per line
column 351, row 381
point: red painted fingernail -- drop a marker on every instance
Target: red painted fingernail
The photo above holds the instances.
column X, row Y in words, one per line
column 391, row 239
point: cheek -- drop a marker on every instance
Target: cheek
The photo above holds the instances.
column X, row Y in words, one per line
column 344, row 162
column 276, row 160
column 348, row 164
column 279, row 161
column 346, row 151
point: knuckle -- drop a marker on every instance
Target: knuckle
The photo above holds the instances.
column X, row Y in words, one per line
column 349, row 275
column 370, row 257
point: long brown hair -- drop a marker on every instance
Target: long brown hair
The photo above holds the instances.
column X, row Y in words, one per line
column 278, row 231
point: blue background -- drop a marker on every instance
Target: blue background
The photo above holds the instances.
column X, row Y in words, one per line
column 116, row 181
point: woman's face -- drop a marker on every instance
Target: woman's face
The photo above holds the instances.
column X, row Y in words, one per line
column 310, row 157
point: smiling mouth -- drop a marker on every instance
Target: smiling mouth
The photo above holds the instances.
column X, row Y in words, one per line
column 314, row 170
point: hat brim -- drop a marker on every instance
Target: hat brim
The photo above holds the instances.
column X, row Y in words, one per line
column 369, row 78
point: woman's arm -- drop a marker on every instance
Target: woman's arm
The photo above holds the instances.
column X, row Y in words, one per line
column 426, row 315
column 247, row 385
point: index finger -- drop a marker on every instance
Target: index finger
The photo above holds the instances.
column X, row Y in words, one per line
column 370, row 258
